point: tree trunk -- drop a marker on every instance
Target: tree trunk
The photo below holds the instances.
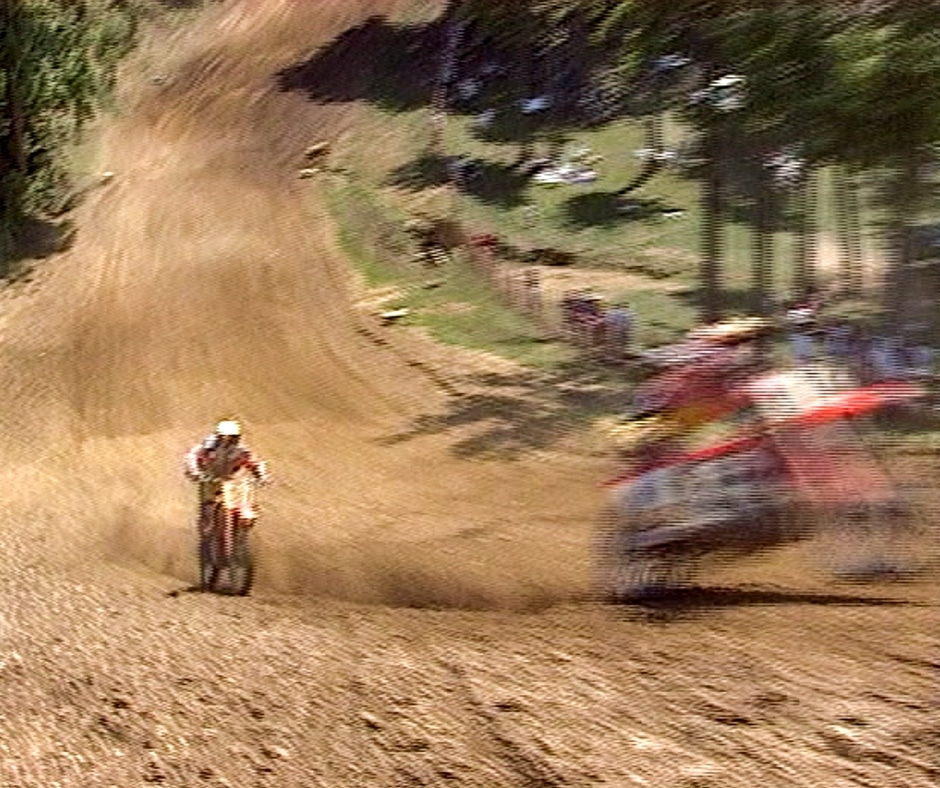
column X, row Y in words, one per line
column 654, row 142
column 903, row 192
column 804, row 267
column 712, row 230
column 454, row 30
column 848, row 231
column 854, row 205
column 527, row 123
column 763, row 262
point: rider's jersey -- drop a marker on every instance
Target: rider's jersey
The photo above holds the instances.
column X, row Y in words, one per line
column 207, row 459
column 707, row 383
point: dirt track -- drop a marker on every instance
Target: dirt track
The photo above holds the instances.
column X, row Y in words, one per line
column 206, row 279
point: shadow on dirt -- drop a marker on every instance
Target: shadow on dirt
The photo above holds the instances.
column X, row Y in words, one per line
column 185, row 590
column 394, row 66
column 36, row 239
column 382, row 63
column 517, row 413
column 456, row 572
column 697, row 601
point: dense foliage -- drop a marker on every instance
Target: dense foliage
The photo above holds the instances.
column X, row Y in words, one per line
column 853, row 86
column 57, row 66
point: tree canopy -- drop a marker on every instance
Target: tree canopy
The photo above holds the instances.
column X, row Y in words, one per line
column 847, row 85
column 57, row 63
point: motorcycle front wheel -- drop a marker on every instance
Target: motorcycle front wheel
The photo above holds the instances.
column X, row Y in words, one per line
column 225, row 571
column 241, row 572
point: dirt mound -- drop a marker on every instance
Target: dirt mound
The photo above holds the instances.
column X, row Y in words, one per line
column 206, row 281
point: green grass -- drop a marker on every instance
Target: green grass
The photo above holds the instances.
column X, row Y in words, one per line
column 354, row 208
column 666, row 246
column 583, row 218
column 453, row 304
column 661, row 317
column 579, row 219
column 464, row 311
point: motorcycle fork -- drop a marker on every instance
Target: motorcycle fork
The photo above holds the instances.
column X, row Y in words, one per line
column 228, row 524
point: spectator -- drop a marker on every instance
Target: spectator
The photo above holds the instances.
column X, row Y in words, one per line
column 618, row 327
column 802, row 347
column 921, row 361
column 570, row 308
column 859, row 354
column 841, row 341
column 532, row 289
column 886, row 358
column 582, row 317
column 592, row 323
column 801, row 320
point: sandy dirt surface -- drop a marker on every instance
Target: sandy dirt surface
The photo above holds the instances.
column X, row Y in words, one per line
column 421, row 616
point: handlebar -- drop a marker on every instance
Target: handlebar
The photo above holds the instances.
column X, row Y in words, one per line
column 207, row 479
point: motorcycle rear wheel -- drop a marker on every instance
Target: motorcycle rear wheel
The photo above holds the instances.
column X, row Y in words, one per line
column 218, row 573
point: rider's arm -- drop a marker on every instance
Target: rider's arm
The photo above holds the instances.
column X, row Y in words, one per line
column 193, row 463
column 258, row 468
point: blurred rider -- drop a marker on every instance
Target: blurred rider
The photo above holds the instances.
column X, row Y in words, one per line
column 219, row 458
column 699, row 383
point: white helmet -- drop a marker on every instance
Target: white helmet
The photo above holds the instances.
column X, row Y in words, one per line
column 228, row 428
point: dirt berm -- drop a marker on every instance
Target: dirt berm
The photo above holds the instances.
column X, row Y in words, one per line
column 420, row 616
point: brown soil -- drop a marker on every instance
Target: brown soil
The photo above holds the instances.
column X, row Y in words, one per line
column 421, row 616
column 557, row 281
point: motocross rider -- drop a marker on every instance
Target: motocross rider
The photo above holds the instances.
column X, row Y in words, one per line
column 218, row 458
column 696, row 389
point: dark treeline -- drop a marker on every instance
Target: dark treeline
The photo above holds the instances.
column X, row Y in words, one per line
column 57, row 68
column 775, row 91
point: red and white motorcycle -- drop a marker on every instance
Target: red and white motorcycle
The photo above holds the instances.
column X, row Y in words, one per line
column 225, row 558
column 779, row 459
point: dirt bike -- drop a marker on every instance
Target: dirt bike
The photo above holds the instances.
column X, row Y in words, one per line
column 225, row 560
column 800, row 469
